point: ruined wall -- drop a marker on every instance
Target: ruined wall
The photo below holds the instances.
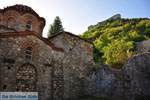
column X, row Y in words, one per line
column 115, row 17
column 78, row 62
column 107, row 82
column 42, row 73
column 137, row 70
column 143, row 46
column 130, row 83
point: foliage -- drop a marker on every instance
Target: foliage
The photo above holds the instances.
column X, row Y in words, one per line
column 56, row 27
column 117, row 51
column 114, row 41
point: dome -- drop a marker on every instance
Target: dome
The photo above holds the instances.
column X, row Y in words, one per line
column 17, row 16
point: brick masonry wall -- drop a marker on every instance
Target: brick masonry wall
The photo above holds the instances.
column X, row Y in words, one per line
column 14, row 20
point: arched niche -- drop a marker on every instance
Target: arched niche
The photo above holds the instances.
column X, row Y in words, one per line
column 10, row 21
column 26, row 78
column 10, row 14
column 30, row 18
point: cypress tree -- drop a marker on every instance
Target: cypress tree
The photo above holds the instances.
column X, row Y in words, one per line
column 56, row 27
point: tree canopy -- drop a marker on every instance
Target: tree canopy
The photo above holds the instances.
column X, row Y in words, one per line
column 114, row 41
column 56, row 27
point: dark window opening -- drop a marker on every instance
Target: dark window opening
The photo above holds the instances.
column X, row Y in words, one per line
column 70, row 49
column 28, row 52
column 43, row 70
column 22, row 8
column 28, row 26
column 4, row 86
column 9, row 68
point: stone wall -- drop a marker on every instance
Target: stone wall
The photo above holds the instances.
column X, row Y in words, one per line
column 29, row 62
column 106, row 82
column 78, row 63
column 42, row 73
column 137, row 71
column 130, row 83
column 143, row 46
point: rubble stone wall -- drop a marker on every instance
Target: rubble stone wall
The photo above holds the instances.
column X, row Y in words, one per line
column 130, row 83
column 45, row 65
column 78, row 63
column 143, row 46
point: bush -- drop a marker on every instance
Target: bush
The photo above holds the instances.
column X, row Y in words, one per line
column 114, row 41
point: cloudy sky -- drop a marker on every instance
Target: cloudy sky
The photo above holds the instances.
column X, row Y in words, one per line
column 77, row 15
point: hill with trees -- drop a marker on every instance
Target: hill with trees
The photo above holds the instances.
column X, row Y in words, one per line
column 115, row 41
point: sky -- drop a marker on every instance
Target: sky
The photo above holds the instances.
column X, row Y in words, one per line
column 77, row 15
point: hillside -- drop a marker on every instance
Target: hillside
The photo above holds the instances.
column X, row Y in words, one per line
column 114, row 41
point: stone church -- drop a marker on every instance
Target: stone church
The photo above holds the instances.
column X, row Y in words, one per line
column 57, row 68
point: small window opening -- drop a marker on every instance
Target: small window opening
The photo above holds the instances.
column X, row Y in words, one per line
column 28, row 26
column 28, row 52
column 43, row 70
column 4, row 86
column 9, row 68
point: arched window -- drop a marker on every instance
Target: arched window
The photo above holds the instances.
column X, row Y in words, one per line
column 29, row 52
column 28, row 26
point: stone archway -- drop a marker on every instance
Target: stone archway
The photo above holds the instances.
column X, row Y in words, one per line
column 26, row 78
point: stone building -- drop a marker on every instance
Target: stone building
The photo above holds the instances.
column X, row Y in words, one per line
column 56, row 68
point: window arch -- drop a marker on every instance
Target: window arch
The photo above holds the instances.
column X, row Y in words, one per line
column 10, row 21
column 28, row 26
column 29, row 52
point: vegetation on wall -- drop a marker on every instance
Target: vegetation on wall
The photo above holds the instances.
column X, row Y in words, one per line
column 114, row 41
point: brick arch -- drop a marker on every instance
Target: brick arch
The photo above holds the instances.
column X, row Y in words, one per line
column 29, row 44
column 10, row 21
column 10, row 14
column 28, row 17
column 26, row 78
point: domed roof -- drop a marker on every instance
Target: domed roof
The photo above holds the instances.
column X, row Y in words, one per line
column 22, row 9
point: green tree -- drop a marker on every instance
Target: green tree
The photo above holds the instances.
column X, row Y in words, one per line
column 118, row 52
column 115, row 41
column 56, row 27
